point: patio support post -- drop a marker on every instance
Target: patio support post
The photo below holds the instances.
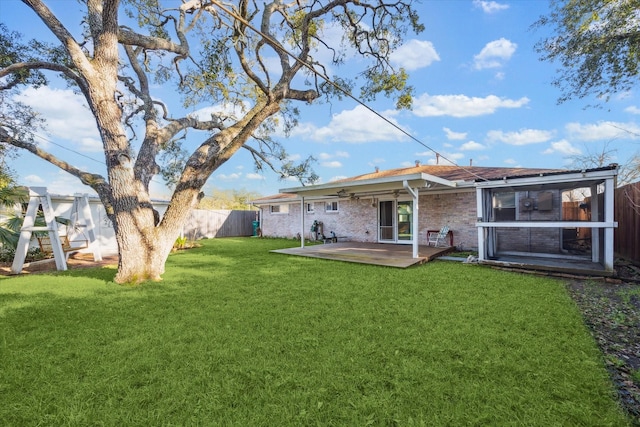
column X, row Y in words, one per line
column 595, row 216
column 302, row 221
column 609, row 190
column 480, row 193
column 415, row 217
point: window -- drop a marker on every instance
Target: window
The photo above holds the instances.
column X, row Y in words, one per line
column 283, row 209
column 504, row 206
column 331, row 206
column 310, row 208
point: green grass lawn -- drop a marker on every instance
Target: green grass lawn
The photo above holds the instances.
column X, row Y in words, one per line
column 238, row 336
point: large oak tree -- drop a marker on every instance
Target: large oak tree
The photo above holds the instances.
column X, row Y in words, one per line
column 597, row 44
column 259, row 57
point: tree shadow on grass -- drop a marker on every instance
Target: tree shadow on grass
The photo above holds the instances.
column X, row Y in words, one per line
column 106, row 274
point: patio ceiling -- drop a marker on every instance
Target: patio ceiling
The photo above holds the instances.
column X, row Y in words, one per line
column 375, row 186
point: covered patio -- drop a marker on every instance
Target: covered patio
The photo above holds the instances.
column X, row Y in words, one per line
column 399, row 256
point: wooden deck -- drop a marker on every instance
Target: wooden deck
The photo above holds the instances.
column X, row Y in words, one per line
column 390, row 255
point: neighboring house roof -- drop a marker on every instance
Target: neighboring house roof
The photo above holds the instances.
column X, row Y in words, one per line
column 431, row 177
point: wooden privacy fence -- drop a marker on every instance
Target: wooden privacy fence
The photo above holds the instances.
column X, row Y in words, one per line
column 219, row 223
column 627, row 213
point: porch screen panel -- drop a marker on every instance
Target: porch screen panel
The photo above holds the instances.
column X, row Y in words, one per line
column 386, row 221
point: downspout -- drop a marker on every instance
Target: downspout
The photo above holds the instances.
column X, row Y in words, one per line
column 415, row 225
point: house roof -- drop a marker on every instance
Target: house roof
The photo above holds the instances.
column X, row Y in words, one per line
column 276, row 198
column 436, row 178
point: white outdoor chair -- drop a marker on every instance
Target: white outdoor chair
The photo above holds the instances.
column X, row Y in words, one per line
column 438, row 239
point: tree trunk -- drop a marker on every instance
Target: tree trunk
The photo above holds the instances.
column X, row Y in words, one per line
column 143, row 244
column 142, row 249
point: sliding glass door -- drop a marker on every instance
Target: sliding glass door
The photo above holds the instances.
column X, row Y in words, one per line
column 395, row 219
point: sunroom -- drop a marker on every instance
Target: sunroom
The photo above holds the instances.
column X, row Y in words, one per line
column 530, row 221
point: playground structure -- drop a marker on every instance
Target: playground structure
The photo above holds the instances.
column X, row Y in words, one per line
column 80, row 223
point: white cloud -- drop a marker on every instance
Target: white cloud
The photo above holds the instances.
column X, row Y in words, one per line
column 91, row 144
column 338, row 178
column 472, row 146
column 521, row 137
column 415, row 54
column 229, row 177
column 490, row 6
column 562, row 147
column 426, row 154
column 462, row 105
column 255, row 176
column 328, row 156
column 605, row 130
column 33, row 179
column 494, row 54
column 66, row 184
column 333, row 164
column 511, row 162
column 451, row 135
column 230, row 111
column 633, row 110
column 358, row 126
column 66, row 114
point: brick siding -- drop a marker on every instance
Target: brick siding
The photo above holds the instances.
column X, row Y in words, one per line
column 357, row 221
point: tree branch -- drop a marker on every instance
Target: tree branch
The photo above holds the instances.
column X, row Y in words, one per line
column 41, row 65
column 126, row 36
column 95, row 181
column 75, row 51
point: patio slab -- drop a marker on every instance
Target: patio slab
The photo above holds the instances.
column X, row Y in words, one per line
column 390, row 255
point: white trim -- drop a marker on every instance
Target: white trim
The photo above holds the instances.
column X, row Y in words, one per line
column 279, row 212
column 302, row 215
column 415, row 218
column 609, row 190
column 387, row 183
column 561, row 177
column 547, row 224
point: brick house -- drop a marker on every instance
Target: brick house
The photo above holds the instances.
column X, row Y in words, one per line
column 503, row 213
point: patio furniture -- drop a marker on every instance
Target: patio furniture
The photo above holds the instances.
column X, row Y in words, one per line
column 439, row 238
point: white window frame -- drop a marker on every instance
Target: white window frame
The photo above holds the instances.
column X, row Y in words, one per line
column 329, row 206
column 281, row 209
column 500, row 196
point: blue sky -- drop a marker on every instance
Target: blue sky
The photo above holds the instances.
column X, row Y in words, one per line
column 481, row 95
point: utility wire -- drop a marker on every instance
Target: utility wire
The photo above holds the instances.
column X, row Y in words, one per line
column 623, row 129
column 79, row 153
column 326, row 78
column 68, row 149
